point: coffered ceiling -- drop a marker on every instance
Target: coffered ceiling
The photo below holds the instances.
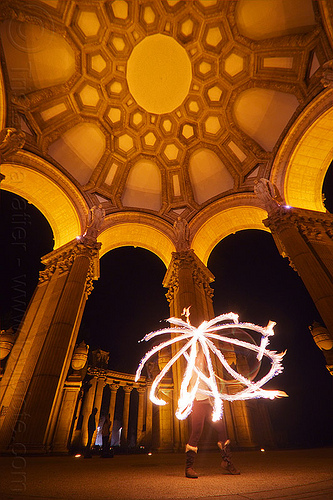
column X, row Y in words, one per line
column 160, row 106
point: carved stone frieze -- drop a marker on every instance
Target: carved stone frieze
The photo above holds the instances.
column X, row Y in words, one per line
column 10, row 141
column 327, row 74
column 61, row 261
column 313, row 225
column 268, row 194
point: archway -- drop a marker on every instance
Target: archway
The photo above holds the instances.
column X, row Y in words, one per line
column 52, row 193
column 304, row 157
column 128, row 301
column 26, row 236
column 227, row 220
column 143, row 231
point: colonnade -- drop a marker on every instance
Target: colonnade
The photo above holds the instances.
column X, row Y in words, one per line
column 39, row 362
column 92, row 396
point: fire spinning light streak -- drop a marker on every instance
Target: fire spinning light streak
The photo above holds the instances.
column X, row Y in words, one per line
column 202, row 335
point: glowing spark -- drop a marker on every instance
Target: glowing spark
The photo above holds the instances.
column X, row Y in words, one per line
column 203, row 336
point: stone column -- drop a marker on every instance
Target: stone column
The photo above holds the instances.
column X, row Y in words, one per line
column 77, row 431
column 40, row 359
column 140, row 432
column 324, row 341
column 188, row 281
column 87, row 407
column 66, row 414
column 306, row 238
column 149, row 419
column 112, row 405
column 126, row 409
column 98, row 404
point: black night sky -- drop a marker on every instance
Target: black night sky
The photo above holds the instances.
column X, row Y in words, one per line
column 128, row 301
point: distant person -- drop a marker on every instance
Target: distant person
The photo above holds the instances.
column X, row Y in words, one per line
column 201, row 411
column 106, row 437
column 91, row 430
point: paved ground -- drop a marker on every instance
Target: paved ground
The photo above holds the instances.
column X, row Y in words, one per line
column 288, row 475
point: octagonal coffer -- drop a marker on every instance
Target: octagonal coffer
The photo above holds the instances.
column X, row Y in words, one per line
column 98, row 64
column 88, row 24
column 148, row 16
column 125, row 144
column 117, row 88
column 205, row 67
column 119, row 44
column 150, row 141
column 114, row 116
column 120, row 12
column 88, row 96
column 188, row 28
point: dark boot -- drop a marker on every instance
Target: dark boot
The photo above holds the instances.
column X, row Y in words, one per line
column 191, row 453
column 226, row 458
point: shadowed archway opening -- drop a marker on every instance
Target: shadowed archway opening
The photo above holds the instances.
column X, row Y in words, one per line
column 26, row 236
column 254, row 281
column 127, row 302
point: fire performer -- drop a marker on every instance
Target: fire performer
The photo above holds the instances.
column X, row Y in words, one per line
column 199, row 391
column 201, row 412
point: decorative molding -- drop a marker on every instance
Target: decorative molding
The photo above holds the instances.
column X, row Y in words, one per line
column 11, row 140
column 201, row 275
column 60, row 261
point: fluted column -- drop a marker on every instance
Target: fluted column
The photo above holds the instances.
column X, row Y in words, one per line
column 112, row 405
column 41, row 356
column 149, row 419
column 98, row 403
column 87, row 406
column 140, row 423
column 188, row 281
column 126, row 409
column 66, row 415
column 77, row 432
column 306, row 238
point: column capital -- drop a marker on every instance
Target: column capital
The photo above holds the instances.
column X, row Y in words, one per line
column 114, row 387
column 314, row 226
column 127, row 389
column 62, row 259
column 187, row 259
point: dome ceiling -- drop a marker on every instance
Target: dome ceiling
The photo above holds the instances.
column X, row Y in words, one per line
column 160, row 105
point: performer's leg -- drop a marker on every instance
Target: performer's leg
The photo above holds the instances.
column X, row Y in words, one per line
column 197, row 423
column 224, row 446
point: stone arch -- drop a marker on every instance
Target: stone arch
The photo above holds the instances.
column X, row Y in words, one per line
column 304, row 157
column 225, row 220
column 144, row 231
column 51, row 192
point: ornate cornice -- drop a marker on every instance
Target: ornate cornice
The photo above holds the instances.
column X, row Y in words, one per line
column 60, row 261
column 314, row 226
